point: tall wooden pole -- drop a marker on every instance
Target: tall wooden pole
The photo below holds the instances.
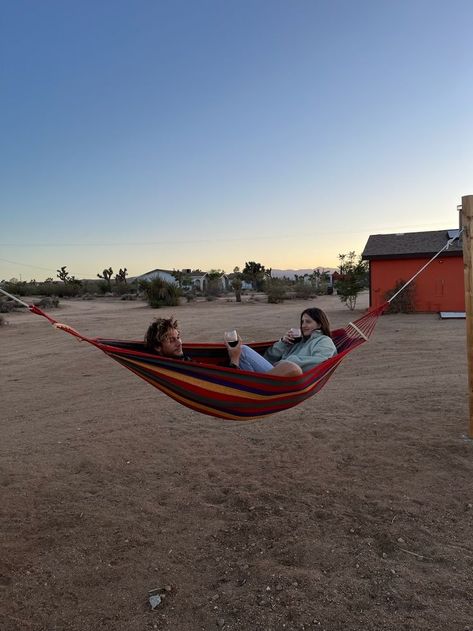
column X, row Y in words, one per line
column 467, row 225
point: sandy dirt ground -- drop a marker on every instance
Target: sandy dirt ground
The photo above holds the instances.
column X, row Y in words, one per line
column 352, row 511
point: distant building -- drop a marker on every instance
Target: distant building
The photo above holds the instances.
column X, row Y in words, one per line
column 395, row 257
column 164, row 274
column 189, row 279
column 200, row 280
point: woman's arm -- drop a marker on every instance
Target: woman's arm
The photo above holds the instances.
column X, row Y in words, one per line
column 313, row 352
column 275, row 352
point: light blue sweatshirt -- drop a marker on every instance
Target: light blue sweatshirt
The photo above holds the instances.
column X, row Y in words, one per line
column 306, row 354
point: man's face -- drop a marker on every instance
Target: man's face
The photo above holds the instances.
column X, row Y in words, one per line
column 171, row 345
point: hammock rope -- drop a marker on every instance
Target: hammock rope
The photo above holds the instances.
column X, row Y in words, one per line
column 445, row 247
column 206, row 384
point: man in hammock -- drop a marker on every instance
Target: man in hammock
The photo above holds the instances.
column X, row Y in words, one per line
column 163, row 337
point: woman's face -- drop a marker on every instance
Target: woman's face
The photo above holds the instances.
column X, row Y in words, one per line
column 308, row 326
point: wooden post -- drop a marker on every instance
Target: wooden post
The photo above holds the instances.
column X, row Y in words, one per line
column 467, row 224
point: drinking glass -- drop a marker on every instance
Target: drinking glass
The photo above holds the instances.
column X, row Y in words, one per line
column 296, row 334
column 231, row 337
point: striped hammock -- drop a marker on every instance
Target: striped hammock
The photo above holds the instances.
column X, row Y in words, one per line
column 207, row 385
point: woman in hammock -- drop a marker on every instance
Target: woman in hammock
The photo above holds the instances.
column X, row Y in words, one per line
column 290, row 357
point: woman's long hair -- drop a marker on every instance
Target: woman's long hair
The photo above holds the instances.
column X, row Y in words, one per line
column 319, row 316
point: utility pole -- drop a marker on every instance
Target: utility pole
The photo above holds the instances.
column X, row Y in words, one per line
column 466, row 219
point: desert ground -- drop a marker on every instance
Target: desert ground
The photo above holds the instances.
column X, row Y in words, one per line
column 350, row 512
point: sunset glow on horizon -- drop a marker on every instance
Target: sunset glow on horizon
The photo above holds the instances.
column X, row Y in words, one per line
column 204, row 135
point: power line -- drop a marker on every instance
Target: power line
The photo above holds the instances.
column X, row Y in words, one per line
column 246, row 238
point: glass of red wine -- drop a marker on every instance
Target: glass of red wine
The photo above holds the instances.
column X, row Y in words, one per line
column 296, row 334
column 231, row 337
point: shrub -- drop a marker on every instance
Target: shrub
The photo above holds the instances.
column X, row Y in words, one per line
column 128, row 297
column 160, row 293
column 7, row 305
column 304, row 290
column 2, row 320
column 275, row 290
column 120, row 289
column 405, row 302
column 353, row 278
column 17, row 287
column 48, row 302
column 59, row 289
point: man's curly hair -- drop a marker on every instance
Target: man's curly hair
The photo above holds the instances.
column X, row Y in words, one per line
column 158, row 330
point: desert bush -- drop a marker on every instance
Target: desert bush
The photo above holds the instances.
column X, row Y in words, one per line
column 59, row 289
column 353, row 278
column 160, row 293
column 73, row 287
column 101, row 287
column 405, row 302
column 275, row 290
column 7, row 305
column 48, row 302
column 304, row 291
column 48, row 288
column 17, row 287
column 120, row 289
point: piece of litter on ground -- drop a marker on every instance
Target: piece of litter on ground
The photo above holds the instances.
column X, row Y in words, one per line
column 154, row 601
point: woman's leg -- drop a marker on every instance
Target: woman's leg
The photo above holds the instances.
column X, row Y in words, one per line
column 253, row 361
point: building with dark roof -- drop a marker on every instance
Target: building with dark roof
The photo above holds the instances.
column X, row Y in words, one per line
column 397, row 257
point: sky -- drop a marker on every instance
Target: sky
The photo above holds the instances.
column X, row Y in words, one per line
column 207, row 133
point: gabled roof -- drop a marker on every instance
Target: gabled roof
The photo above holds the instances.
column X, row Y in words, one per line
column 158, row 269
column 410, row 244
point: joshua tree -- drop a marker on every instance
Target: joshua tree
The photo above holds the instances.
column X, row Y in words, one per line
column 63, row 274
column 320, row 280
column 254, row 273
column 107, row 275
column 182, row 277
column 121, row 276
column 237, row 283
column 213, row 283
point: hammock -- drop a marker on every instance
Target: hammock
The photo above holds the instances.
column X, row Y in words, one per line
column 205, row 384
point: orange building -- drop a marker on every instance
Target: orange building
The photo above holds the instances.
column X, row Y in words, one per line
column 395, row 257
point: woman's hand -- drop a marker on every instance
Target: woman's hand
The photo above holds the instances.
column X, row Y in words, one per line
column 288, row 338
column 234, row 352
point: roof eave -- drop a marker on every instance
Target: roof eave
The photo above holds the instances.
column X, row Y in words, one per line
column 414, row 255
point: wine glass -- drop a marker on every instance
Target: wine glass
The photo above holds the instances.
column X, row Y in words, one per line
column 231, row 337
column 296, row 334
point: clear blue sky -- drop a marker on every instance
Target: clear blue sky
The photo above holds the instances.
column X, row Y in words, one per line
column 207, row 133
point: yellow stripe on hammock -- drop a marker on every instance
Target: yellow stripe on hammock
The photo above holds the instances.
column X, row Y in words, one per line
column 225, row 390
